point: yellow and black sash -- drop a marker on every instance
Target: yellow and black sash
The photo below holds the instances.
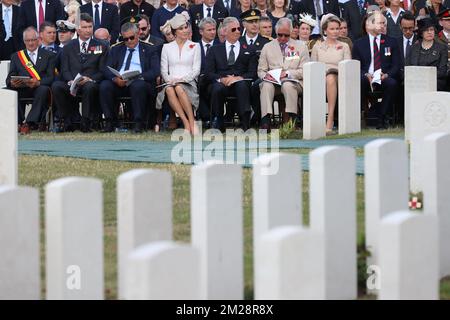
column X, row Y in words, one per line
column 28, row 65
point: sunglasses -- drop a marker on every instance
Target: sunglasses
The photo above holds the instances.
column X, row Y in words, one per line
column 283, row 35
column 234, row 29
column 129, row 39
column 143, row 28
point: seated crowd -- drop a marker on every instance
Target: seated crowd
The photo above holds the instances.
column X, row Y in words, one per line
column 210, row 60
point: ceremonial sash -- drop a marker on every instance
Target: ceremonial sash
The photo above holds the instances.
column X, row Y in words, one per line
column 28, row 65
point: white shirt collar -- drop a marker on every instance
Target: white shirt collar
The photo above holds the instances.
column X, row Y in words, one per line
column 99, row 5
column 446, row 34
column 87, row 43
column 205, row 43
column 406, row 39
column 170, row 10
column 228, row 45
column 247, row 38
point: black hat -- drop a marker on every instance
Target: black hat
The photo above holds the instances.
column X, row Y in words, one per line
column 444, row 14
column 249, row 15
column 65, row 26
column 424, row 23
column 132, row 19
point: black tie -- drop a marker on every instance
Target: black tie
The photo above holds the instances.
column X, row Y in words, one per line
column 130, row 55
column 251, row 42
column 209, row 12
column 207, row 47
column 83, row 47
column 231, row 57
column 96, row 18
column 408, row 47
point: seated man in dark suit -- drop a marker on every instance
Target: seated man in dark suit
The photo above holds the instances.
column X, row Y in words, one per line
column 131, row 54
column 210, row 9
column 104, row 15
column 144, row 32
column 227, row 65
column 85, row 56
column 380, row 64
column 250, row 19
column 39, row 65
column 207, row 28
column 30, row 13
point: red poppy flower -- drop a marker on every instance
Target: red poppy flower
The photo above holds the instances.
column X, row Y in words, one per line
column 291, row 48
column 92, row 49
column 382, row 40
column 192, row 45
column 338, row 47
column 244, row 46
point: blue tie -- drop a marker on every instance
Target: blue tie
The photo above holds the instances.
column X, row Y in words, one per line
column 128, row 62
column 7, row 24
column 96, row 18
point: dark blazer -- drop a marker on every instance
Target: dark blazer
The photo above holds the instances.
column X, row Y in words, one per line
column 45, row 66
column 402, row 50
column 27, row 15
column 130, row 9
column 329, row 6
column 196, row 13
column 148, row 54
column 436, row 56
column 351, row 13
column 109, row 18
column 90, row 64
column 222, row 3
column 2, row 29
column 203, row 54
column 257, row 45
column 217, row 65
column 390, row 55
column 17, row 38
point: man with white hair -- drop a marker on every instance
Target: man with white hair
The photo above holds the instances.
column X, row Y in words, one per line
column 380, row 64
column 228, row 66
column 288, row 56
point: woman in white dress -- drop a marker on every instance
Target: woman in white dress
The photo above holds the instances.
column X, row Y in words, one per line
column 180, row 68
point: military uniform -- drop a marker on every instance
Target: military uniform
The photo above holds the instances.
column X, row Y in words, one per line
column 445, row 38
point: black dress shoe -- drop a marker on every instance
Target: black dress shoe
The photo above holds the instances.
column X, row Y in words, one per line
column 108, row 127
column 138, row 127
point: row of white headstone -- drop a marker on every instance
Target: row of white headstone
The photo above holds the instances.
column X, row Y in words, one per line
column 291, row 260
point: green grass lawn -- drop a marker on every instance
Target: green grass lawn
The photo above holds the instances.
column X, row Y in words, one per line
column 37, row 171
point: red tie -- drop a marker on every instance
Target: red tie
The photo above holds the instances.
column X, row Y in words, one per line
column 376, row 56
column 41, row 14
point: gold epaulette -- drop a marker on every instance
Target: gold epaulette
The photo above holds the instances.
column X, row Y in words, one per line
column 270, row 38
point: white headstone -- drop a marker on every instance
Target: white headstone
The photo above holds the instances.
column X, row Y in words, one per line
column 275, row 206
column 217, row 229
column 333, row 215
column 385, row 186
column 408, row 257
column 144, row 212
column 8, row 142
column 4, row 70
column 417, row 80
column 430, row 113
column 314, row 100
column 162, row 271
column 436, row 192
column 349, row 80
column 20, row 276
column 291, row 266
column 74, row 238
